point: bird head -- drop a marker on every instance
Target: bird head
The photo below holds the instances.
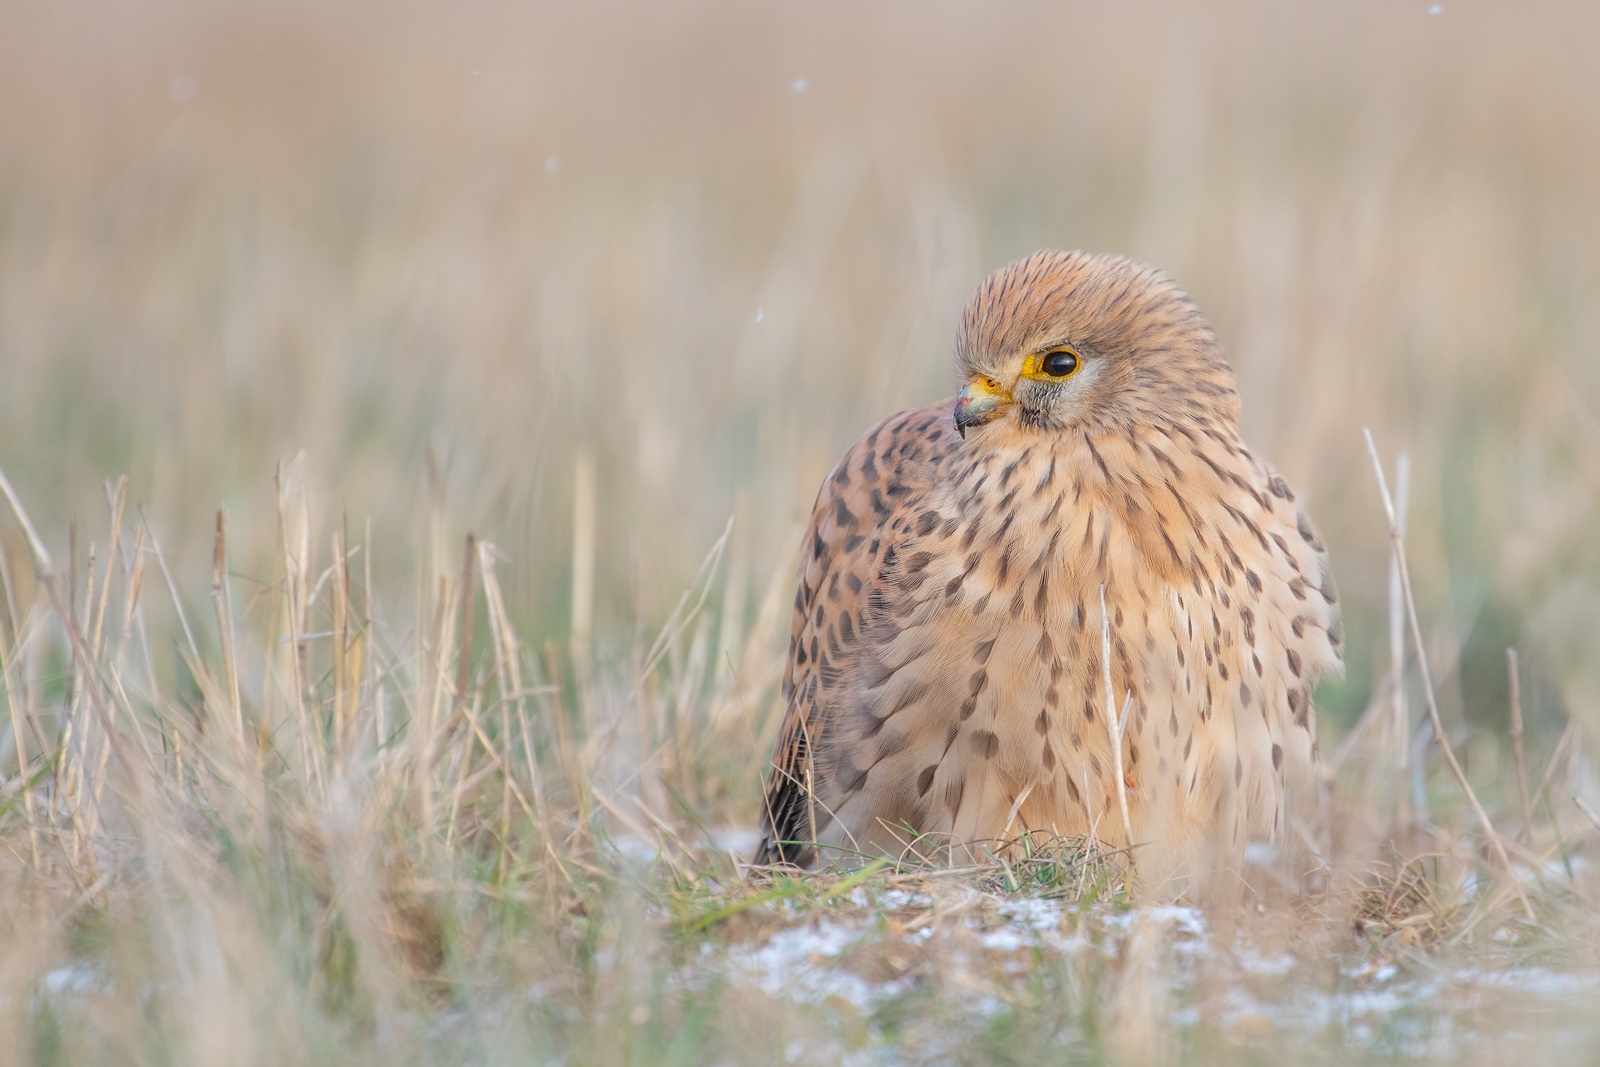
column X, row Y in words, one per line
column 1066, row 339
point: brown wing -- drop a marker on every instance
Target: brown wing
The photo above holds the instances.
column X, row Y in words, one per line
column 865, row 512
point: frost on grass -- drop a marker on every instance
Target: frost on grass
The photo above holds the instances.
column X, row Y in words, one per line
column 979, row 953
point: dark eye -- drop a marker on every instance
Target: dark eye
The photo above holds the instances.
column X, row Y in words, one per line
column 1059, row 364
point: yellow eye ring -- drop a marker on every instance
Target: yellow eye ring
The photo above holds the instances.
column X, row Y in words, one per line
column 1053, row 365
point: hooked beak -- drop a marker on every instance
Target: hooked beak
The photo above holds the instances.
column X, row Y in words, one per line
column 981, row 399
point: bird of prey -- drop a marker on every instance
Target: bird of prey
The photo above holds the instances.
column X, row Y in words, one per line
column 1071, row 571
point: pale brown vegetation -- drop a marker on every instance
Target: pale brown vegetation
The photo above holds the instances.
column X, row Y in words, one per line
column 296, row 771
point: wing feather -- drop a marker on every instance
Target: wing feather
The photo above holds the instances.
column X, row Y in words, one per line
column 852, row 574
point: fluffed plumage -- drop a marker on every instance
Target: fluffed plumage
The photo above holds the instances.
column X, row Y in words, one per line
column 945, row 685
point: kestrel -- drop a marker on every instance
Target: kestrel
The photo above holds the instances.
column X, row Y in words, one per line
column 946, row 687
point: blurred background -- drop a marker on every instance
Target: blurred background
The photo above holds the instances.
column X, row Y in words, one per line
column 502, row 268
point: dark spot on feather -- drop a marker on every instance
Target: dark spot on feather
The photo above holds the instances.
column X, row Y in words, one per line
column 1105, row 472
column 1010, row 469
column 1307, row 534
column 1049, row 477
column 953, row 792
column 852, row 780
column 874, row 672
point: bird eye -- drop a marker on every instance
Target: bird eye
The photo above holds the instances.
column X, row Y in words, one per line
column 1059, row 364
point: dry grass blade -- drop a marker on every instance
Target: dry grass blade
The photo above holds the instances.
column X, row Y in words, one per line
column 467, row 606
column 1515, row 681
column 469, row 556
column 1588, row 812
column 117, row 495
column 347, row 650
column 1556, row 754
column 1114, row 726
column 682, row 613
column 1427, row 687
column 62, row 604
column 40, row 554
column 172, row 589
column 583, row 554
column 1400, row 717
column 222, row 600
column 18, row 715
column 508, row 668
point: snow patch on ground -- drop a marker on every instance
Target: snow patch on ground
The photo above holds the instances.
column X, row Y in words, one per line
column 1371, row 1008
column 800, row 964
